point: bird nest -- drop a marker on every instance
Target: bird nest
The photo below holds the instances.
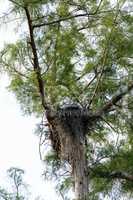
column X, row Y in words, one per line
column 68, row 130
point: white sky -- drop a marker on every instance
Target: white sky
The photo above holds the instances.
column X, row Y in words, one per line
column 18, row 144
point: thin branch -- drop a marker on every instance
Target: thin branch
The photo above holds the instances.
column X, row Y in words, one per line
column 90, row 82
column 14, row 2
column 70, row 17
column 97, row 161
column 13, row 69
column 118, row 132
column 109, row 125
column 6, row 14
column 61, row 20
column 105, row 54
column 87, row 86
column 98, row 7
column 100, row 76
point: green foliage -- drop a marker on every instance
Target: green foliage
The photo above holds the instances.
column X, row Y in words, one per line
column 81, row 58
column 52, row 164
column 64, row 186
column 27, row 93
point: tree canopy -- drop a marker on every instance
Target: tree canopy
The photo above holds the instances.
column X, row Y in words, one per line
column 79, row 51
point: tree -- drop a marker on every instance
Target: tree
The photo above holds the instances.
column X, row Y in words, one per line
column 17, row 190
column 17, row 186
column 73, row 62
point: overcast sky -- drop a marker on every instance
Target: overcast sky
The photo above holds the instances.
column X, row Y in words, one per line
column 18, row 144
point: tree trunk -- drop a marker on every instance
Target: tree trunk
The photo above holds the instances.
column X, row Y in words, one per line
column 80, row 173
column 70, row 146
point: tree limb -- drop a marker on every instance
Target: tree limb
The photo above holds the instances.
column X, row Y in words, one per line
column 114, row 175
column 35, row 59
column 106, row 108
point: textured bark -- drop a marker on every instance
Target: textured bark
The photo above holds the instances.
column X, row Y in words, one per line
column 70, row 147
column 80, row 174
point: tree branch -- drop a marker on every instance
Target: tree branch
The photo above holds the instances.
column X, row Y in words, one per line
column 69, row 17
column 106, row 108
column 113, row 175
column 35, row 59
column 61, row 20
column 14, row 2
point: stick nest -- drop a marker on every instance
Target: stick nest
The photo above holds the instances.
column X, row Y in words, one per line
column 68, row 130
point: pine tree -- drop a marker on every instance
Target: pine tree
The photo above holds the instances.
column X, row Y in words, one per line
column 73, row 64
